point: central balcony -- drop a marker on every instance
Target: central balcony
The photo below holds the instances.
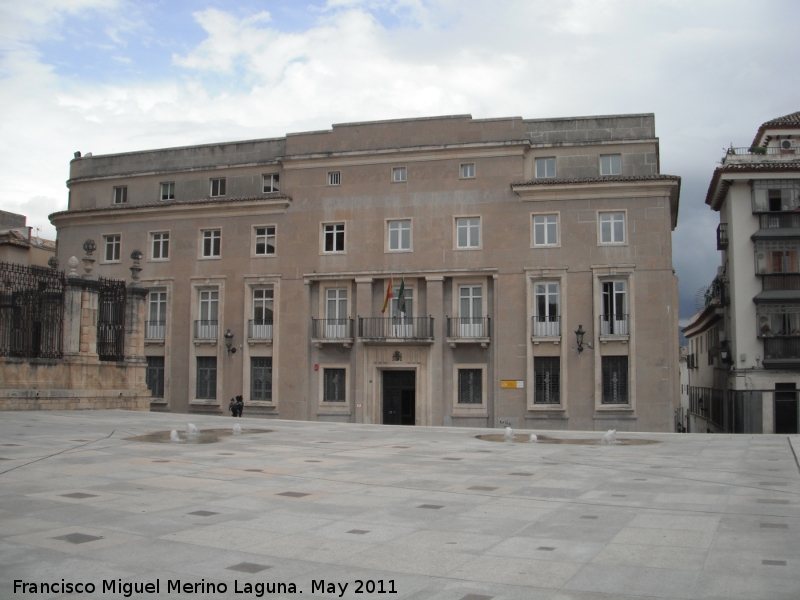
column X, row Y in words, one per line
column 779, row 220
column 546, row 328
column 332, row 331
column 469, row 330
column 155, row 332
column 396, row 329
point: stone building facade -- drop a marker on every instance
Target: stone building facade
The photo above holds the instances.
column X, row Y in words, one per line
column 268, row 263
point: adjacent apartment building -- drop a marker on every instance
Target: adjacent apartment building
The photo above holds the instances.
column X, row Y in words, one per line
column 748, row 337
column 423, row 271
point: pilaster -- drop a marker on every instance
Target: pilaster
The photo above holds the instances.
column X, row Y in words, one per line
column 435, row 297
column 363, row 308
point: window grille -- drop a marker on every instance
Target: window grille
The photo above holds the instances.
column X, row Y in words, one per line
column 207, row 377
column 155, row 376
column 547, row 380
column 261, row 378
column 470, row 386
column 615, row 379
column 334, row 385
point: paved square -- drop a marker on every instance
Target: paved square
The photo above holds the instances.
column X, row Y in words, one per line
column 692, row 516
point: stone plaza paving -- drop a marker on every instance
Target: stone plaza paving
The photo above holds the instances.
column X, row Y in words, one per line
column 430, row 513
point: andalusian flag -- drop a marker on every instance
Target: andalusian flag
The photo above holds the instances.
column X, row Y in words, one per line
column 388, row 296
column 401, row 299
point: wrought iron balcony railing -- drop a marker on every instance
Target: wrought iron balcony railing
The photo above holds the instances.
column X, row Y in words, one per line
column 782, row 347
column 614, row 325
column 468, row 327
column 259, row 329
column 722, row 236
column 784, row 281
column 155, row 330
column 332, row 329
column 206, row 330
column 545, row 326
column 779, row 220
column 408, row 328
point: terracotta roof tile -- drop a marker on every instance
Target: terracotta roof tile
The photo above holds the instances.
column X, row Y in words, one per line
column 713, row 199
column 790, row 120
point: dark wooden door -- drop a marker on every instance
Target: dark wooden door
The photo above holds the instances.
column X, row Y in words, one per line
column 785, row 408
column 399, row 397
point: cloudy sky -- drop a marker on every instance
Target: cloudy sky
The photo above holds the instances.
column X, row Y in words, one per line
column 108, row 76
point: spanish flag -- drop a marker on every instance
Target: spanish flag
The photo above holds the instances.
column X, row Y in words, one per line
column 388, row 295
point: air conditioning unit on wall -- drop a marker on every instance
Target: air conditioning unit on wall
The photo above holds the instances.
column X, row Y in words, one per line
column 788, row 144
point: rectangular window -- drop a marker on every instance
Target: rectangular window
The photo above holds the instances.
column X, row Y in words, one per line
column 400, row 235
column 212, row 240
column 546, row 322
column 468, row 171
column 271, row 183
column 113, row 245
column 262, row 313
column 334, row 385
column 470, row 311
column 545, row 167
column 265, row 240
column 470, row 386
column 612, row 228
column 206, row 326
column 155, row 327
column 547, row 380
column 159, row 249
column 468, row 232
column 121, row 194
column 261, row 378
column 218, row 187
column 614, row 319
column 610, row 164
column 154, row 375
column 399, row 174
column 334, row 237
column 206, row 377
column 168, row 191
column 545, row 230
column 334, row 178
column 615, row 379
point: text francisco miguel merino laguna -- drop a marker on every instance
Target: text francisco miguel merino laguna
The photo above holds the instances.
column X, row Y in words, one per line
column 176, row 586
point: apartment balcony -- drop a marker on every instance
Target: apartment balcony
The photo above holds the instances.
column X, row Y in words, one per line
column 206, row 332
column 614, row 328
column 782, row 352
column 395, row 329
column 259, row 331
column 780, row 281
column 546, row 329
column 722, row 236
column 779, row 220
column 758, row 154
column 332, row 331
column 155, row 332
column 469, row 330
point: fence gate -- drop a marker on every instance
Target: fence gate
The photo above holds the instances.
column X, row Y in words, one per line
column 111, row 320
column 31, row 311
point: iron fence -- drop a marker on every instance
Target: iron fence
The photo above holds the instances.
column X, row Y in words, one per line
column 259, row 329
column 111, row 319
column 155, row 330
column 206, row 330
column 781, row 220
column 31, row 311
column 781, row 347
column 614, row 325
column 545, row 326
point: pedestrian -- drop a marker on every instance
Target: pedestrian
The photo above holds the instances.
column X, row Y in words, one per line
column 239, row 405
column 232, row 407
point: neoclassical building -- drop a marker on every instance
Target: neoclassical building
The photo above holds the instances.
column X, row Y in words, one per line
column 419, row 271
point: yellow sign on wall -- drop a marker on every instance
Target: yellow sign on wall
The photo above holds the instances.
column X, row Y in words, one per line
column 511, row 384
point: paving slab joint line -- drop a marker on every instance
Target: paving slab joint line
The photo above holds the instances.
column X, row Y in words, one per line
column 791, row 447
column 56, row 454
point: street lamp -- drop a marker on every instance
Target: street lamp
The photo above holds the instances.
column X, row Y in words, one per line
column 229, row 341
column 579, row 333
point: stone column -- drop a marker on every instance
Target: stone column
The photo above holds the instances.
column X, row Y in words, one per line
column 363, row 309
column 71, row 332
column 135, row 314
column 435, row 295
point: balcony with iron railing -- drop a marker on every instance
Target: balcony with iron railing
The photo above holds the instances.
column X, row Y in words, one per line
column 469, row 330
column 259, row 331
column 206, row 332
column 332, row 331
column 722, row 236
column 779, row 220
column 614, row 326
column 780, row 281
column 759, row 154
column 782, row 352
column 396, row 329
column 155, row 332
column 545, row 328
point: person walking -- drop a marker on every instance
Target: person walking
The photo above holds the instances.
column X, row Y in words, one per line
column 232, row 407
column 239, row 405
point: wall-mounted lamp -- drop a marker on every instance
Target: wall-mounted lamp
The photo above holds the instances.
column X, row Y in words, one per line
column 229, row 342
column 579, row 333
